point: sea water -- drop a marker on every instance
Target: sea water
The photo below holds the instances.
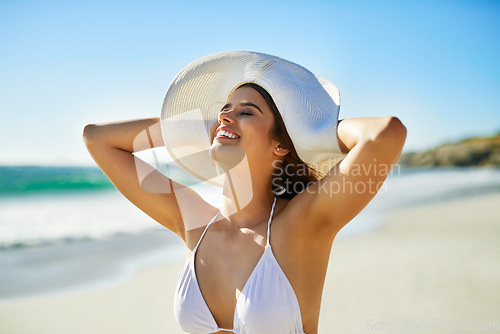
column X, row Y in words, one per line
column 67, row 228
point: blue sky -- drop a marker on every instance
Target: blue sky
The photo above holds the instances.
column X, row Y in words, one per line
column 63, row 64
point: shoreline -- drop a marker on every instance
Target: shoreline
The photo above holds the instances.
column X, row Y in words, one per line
column 84, row 266
column 435, row 261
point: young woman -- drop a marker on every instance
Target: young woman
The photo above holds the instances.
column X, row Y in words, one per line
column 258, row 263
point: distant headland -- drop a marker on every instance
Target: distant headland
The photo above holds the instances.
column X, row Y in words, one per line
column 476, row 151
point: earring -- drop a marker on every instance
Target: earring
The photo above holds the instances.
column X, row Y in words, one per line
column 278, row 149
column 279, row 191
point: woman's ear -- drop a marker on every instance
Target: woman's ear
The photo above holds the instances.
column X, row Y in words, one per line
column 281, row 151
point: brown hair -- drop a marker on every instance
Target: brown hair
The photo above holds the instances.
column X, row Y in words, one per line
column 292, row 175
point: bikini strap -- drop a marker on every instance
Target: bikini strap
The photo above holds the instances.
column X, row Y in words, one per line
column 269, row 222
column 204, row 231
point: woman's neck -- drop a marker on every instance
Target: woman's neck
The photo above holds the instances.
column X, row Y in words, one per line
column 246, row 200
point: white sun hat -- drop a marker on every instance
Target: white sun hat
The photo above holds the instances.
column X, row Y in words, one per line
column 309, row 106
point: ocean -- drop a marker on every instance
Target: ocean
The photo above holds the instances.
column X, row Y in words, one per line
column 67, row 228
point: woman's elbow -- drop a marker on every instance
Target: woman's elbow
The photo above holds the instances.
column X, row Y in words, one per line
column 88, row 133
column 393, row 134
column 394, row 130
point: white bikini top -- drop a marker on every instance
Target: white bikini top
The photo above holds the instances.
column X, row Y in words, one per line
column 267, row 304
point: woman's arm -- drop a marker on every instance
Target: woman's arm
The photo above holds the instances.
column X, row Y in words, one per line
column 373, row 146
column 111, row 146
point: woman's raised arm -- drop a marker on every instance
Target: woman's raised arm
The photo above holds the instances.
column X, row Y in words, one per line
column 373, row 146
column 111, row 146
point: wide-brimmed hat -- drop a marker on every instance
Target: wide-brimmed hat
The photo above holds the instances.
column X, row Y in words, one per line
column 309, row 106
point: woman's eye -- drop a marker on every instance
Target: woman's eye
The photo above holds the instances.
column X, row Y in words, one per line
column 245, row 112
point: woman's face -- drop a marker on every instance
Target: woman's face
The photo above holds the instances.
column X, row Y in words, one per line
column 246, row 122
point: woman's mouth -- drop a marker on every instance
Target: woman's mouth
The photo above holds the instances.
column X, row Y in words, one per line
column 226, row 135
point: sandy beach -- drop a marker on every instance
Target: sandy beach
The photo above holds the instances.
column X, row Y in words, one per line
column 429, row 269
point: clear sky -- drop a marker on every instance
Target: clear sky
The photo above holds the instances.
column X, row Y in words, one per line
column 63, row 64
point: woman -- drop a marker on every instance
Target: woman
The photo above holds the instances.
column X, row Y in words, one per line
column 276, row 161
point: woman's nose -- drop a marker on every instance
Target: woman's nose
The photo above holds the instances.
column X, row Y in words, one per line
column 225, row 117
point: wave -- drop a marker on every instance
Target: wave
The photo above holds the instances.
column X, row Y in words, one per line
column 21, row 180
column 68, row 218
column 26, row 180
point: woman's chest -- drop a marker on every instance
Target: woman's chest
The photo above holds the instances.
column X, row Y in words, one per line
column 227, row 272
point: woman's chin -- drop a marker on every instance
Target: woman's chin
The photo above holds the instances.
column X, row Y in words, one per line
column 227, row 156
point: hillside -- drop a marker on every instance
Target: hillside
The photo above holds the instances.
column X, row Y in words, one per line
column 467, row 152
